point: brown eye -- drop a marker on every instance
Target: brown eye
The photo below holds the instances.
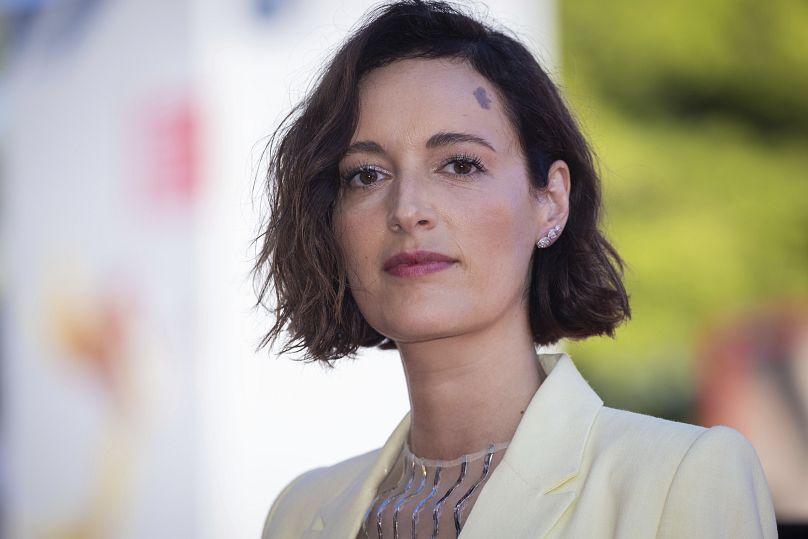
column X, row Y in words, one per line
column 363, row 177
column 462, row 167
column 367, row 177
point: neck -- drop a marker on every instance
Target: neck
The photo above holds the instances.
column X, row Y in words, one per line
column 471, row 390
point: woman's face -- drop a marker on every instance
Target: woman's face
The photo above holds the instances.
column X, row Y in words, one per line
column 435, row 166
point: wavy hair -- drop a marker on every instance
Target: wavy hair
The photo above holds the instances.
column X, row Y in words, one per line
column 576, row 287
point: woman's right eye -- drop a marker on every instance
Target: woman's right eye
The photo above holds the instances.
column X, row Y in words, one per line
column 362, row 177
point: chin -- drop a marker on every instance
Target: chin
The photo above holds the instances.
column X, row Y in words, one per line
column 417, row 327
column 415, row 335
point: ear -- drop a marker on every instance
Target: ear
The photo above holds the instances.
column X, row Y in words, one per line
column 554, row 198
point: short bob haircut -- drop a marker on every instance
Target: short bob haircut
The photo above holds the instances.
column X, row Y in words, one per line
column 576, row 287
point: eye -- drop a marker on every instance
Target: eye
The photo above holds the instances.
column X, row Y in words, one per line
column 363, row 176
column 463, row 165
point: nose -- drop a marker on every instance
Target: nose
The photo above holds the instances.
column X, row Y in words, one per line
column 410, row 205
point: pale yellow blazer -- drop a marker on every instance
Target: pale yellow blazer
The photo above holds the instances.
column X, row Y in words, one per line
column 574, row 468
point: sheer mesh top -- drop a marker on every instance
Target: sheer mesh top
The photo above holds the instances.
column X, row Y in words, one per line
column 423, row 498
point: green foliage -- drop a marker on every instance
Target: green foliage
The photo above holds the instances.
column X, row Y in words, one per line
column 747, row 59
column 705, row 180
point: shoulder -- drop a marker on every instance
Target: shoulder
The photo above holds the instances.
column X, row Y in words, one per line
column 651, row 441
column 720, row 487
column 298, row 503
column 641, row 425
column 618, row 431
column 705, row 481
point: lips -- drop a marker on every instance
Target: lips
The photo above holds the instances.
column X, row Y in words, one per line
column 417, row 263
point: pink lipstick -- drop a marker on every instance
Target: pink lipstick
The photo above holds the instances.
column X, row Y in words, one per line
column 417, row 263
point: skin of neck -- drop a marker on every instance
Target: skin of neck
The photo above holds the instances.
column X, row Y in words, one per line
column 470, row 390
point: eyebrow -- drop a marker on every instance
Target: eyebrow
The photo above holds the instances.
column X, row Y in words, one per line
column 364, row 146
column 445, row 139
column 435, row 141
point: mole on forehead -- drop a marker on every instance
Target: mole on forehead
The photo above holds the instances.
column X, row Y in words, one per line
column 482, row 97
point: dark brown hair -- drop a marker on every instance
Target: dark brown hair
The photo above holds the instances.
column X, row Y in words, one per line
column 576, row 287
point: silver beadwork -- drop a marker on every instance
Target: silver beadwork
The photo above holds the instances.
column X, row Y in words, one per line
column 429, row 500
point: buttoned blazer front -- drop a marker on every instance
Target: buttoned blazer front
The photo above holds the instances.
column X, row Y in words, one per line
column 574, row 468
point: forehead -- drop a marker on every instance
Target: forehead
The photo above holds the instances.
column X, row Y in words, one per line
column 415, row 98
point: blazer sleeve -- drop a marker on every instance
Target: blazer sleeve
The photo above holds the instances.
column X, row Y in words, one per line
column 284, row 519
column 718, row 490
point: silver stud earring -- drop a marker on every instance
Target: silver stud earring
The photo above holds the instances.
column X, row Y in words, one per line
column 548, row 239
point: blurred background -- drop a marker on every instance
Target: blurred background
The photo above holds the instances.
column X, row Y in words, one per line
column 133, row 403
column 698, row 111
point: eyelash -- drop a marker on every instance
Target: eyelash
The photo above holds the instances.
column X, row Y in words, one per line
column 473, row 160
column 465, row 158
column 364, row 167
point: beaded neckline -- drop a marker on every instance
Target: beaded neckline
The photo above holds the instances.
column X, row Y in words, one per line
column 432, row 463
column 432, row 497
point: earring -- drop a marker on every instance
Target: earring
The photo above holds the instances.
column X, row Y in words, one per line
column 548, row 239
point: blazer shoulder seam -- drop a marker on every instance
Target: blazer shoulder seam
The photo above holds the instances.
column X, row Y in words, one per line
column 675, row 475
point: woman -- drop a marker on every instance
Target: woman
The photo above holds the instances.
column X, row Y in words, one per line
column 433, row 194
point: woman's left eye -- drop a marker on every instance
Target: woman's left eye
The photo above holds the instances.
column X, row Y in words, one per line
column 463, row 165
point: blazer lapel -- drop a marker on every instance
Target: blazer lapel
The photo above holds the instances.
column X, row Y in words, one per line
column 342, row 516
column 529, row 490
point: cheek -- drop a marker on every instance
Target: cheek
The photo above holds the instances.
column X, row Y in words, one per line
column 356, row 244
column 499, row 243
column 500, row 222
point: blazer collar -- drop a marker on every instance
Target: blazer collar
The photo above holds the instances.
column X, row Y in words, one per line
column 530, row 488
column 548, row 446
column 527, row 492
column 342, row 516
